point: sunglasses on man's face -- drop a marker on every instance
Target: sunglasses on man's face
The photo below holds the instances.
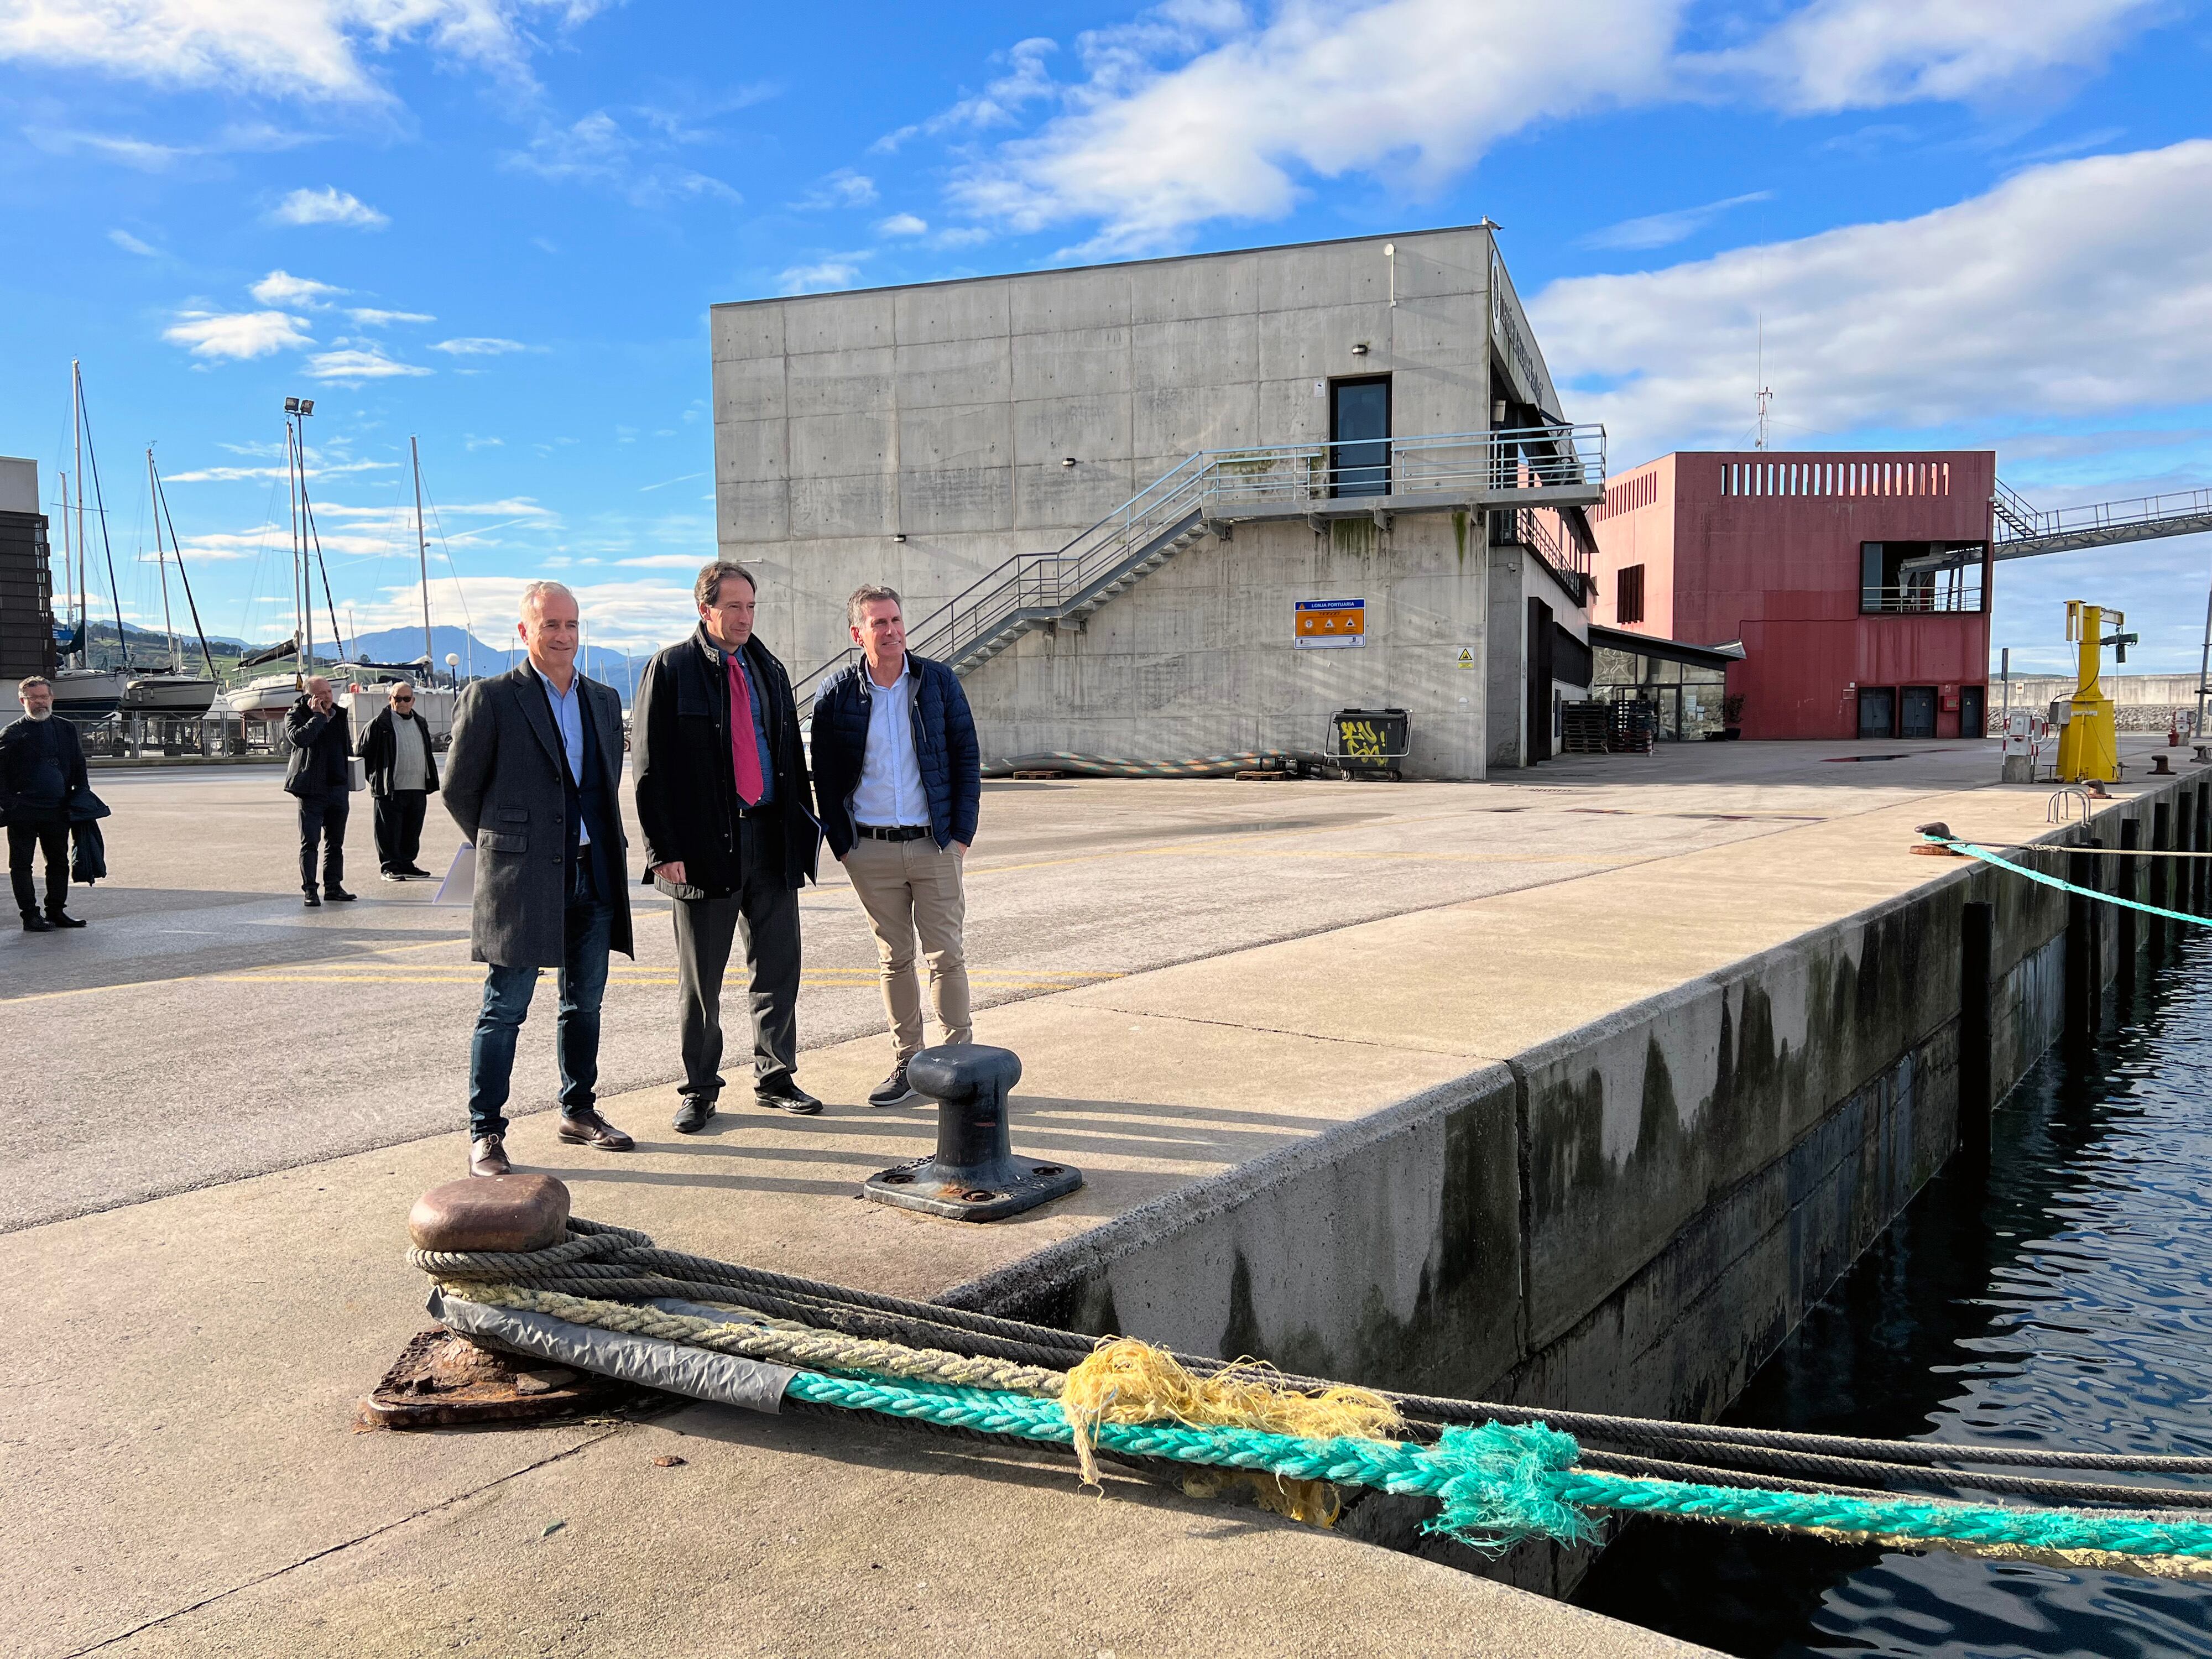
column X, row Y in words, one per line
column 402, row 700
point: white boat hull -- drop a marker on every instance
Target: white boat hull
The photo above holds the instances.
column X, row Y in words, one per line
column 176, row 695
column 88, row 693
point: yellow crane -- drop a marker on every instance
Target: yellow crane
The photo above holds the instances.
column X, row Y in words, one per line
column 2088, row 742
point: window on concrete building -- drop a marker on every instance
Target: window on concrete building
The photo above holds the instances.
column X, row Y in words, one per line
column 1359, row 427
column 1920, row 578
column 1628, row 595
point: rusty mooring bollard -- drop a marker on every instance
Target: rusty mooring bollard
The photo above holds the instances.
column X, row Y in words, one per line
column 974, row 1175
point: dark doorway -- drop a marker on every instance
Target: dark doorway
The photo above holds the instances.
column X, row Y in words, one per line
column 1877, row 711
column 1973, row 712
column 1359, row 427
column 1917, row 716
column 1539, row 646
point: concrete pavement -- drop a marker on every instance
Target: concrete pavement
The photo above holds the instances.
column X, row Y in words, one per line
column 176, row 1439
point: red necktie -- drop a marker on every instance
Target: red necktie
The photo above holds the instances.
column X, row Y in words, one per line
column 744, row 747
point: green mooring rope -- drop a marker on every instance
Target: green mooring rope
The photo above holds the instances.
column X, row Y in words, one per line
column 1500, row 1484
column 1987, row 857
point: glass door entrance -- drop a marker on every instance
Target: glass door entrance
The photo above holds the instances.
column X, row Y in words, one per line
column 1359, row 427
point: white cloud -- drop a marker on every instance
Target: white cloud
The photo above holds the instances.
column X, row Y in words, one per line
column 237, row 334
column 842, row 189
column 1665, row 229
column 355, row 366
column 316, row 469
column 636, row 615
column 470, row 443
column 141, row 153
column 303, row 48
column 598, row 150
column 663, row 561
column 369, row 317
column 2071, row 289
column 479, row 346
column 837, row 270
column 999, row 104
column 130, row 244
column 1864, row 54
column 1200, row 110
column 328, row 206
column 281, row 288
column 903, row 224
column 1229, row 134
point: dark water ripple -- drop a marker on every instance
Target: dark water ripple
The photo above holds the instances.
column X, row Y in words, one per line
column 2062, row 1297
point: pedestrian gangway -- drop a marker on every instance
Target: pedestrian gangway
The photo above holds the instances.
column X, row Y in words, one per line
column 1553, row 466
column 2023, row 532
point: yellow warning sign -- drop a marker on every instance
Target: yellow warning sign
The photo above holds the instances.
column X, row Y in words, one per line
column 1466, row 658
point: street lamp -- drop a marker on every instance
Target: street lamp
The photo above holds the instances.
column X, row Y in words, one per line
column 453, row 662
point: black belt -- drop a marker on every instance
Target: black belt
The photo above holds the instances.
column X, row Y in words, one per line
column 758, row 810
column 892, row 831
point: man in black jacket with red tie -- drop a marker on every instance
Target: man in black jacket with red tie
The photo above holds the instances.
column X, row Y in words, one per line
column 726, row 806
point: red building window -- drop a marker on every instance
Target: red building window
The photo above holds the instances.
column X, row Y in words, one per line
column 1628, row 597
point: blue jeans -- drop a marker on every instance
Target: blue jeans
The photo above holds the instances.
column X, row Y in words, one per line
column 585, row 928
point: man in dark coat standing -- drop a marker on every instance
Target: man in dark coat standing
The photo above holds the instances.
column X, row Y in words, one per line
column 320, row 777
column 42, row 773
column 533, row 777
column 727, row 812
column 403, row 775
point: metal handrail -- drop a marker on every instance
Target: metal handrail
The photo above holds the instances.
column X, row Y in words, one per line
column 1215, row 483
column 1905, row 599
column 2027, row 523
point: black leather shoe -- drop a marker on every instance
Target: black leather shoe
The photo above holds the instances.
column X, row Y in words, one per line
column 788, row 1096
column 337, row 894
column 63, row 919
column 691, row 1117
column 892, row 1090
column 413, row 870
column 311, row 901
column 588, row 1129
column 35, row 923
column 488, row 1157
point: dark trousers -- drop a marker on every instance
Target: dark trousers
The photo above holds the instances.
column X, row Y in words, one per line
column 25, row 842
column 399, row 827
column 586, row 929
column 323, row 819
column 765, row 914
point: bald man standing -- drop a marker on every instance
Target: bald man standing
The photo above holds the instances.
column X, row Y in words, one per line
column 321, row 777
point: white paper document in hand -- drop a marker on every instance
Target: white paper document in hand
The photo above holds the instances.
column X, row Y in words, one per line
column 460, row 886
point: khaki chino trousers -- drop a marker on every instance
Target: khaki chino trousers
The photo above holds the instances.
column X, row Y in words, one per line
column 910, row 888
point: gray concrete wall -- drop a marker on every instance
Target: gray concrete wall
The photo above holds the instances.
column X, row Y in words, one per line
column 1629, row 1218
column 1198, row 658
column 943, row 412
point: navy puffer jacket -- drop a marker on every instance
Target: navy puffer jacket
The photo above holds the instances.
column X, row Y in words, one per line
column 943, row 743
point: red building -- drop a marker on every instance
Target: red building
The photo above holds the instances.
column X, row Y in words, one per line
column 1857, row 583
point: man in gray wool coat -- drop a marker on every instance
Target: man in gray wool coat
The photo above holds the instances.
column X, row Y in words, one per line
column 532, row 778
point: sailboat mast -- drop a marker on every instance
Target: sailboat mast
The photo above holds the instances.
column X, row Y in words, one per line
column 422, row 562
column 76, row 428
column 161, row 562
column 68, row 577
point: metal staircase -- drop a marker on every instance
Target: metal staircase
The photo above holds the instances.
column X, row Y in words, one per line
column 2023, row 532
column 1216, row 489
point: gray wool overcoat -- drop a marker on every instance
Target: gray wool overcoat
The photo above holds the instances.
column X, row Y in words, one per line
column 503, row 785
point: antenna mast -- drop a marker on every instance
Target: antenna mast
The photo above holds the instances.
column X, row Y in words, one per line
column 1766, row 391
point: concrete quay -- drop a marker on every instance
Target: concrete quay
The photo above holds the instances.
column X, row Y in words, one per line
column 1326, row 1053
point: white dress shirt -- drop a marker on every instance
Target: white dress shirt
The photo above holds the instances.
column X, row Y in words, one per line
column 891, row 795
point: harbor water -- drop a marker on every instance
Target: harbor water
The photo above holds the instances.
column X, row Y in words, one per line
column 2061, row 1298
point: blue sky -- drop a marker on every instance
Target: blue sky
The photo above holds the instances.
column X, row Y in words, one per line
column 498, row 224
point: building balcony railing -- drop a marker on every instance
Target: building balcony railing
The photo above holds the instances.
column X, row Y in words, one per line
column 1918, row 599
column 1548, row 466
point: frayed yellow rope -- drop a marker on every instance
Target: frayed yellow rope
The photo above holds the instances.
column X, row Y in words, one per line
column 1127, row 1381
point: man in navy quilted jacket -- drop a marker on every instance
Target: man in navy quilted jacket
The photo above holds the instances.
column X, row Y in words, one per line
column 899, row 778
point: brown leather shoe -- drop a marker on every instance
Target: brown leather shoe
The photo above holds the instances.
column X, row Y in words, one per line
column 588, row 1129
column 488, row 1157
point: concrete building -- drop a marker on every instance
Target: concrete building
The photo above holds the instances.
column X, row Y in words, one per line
column 1179, row 506
column 26, row 620
column 1857, row 584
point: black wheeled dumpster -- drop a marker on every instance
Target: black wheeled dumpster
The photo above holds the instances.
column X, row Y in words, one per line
column 1369, row 742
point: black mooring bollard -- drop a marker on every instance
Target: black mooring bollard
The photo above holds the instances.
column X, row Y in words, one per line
column 974, row 1175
